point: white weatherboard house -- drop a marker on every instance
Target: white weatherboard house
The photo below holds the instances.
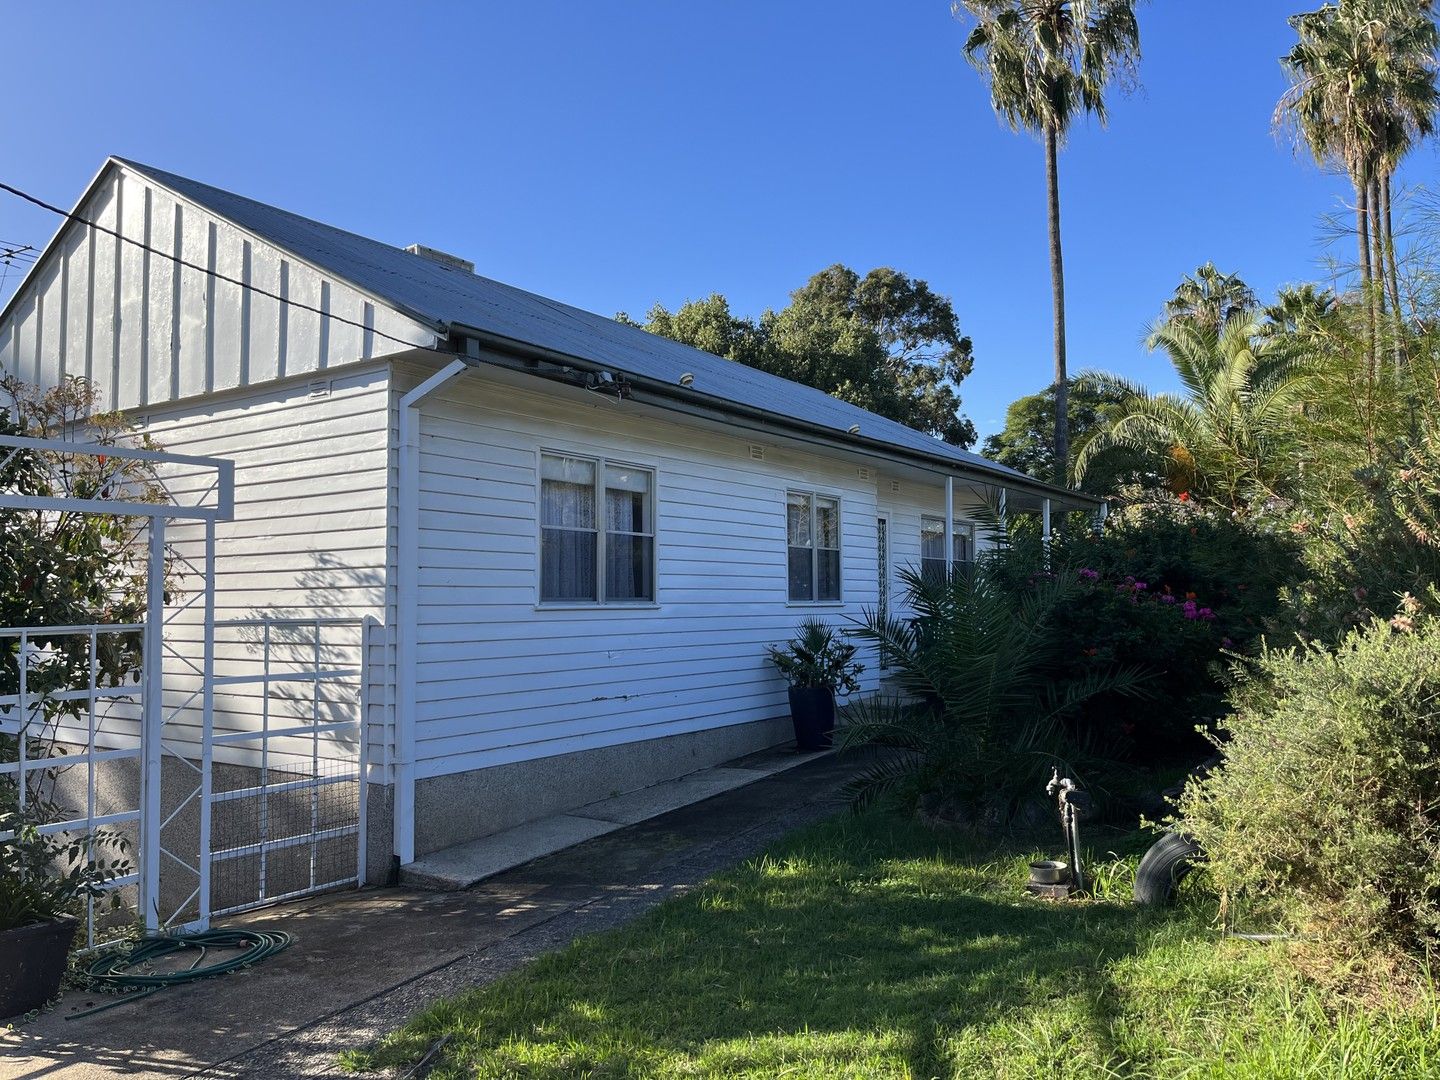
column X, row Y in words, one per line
column 578, row 537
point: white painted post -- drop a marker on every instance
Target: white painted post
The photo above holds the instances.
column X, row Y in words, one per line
column 1045, row 529
column 1100, row 516
column 1004, row 517
column 207, row 728
column 152, row 696
column 949, row 526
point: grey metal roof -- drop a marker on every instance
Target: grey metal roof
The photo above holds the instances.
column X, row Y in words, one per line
column 446, row 297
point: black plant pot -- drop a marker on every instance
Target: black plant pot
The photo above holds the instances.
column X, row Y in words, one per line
column 32, row 963
column 812, row 710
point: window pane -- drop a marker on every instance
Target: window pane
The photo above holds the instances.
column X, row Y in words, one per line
column 627, row 500
column 798, row 519
column 829, row 568
column 628, row 563
column 932, row 539
column 827, row 523
column 567, row 492
column 964, row 544
column 802, row 562
column 933, row 571
column 567, row 565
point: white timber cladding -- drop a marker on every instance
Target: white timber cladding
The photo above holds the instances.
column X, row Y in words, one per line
column 148, row 330
column 502, row 677
column 308, row 539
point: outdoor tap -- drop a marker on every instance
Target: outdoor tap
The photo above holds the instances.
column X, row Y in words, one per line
column 1072, row 802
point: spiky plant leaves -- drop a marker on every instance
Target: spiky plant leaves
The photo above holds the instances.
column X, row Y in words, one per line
column 977, row 717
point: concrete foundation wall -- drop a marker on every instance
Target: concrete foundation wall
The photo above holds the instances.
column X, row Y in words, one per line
column 464, row 806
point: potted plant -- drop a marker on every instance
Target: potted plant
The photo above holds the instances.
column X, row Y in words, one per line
column 45, row 878
column 817, row 665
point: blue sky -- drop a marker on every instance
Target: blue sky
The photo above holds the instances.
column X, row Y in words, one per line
column 616, row 154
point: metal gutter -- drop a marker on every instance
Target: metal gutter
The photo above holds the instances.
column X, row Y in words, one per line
column 683, row 400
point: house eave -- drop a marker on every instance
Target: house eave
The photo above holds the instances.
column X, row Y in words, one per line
column 491, row 348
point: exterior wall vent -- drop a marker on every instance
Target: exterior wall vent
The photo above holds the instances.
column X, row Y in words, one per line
column 863, row 473
column 757, row 453
column 444, row 258
column 894, row 487
column 320, row 388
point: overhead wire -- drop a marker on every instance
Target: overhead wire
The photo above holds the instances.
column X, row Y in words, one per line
column 80, row 219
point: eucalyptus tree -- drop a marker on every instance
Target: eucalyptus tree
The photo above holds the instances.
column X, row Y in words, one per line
column 1048, row 62
column 1228, row 438
column 884, row 341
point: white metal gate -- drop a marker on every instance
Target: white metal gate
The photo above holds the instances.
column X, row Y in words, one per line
column 202, row 700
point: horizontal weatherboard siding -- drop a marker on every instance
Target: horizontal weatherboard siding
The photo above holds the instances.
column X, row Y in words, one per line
column 501, row 679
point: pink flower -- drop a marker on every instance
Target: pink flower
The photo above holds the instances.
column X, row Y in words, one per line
column 1090, row 575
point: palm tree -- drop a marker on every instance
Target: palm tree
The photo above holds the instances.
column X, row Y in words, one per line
column 1048, row 61
column 1226, row 439
column 1210, row 297
column 1363, row 92
column 1410, row 40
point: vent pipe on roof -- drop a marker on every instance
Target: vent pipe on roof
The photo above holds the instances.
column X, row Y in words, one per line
column 444, row 258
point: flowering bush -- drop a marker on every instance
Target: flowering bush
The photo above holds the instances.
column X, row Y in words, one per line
column 1172, row 587
column 1177, row 636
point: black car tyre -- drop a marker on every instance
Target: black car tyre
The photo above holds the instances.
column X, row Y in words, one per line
column 1164, row 866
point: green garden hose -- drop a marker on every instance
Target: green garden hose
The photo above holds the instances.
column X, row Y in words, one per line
column 133, row 969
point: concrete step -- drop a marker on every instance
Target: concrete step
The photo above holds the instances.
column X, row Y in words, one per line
column 467, row 864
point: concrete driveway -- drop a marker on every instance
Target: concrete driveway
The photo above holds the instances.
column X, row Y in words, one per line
column 362, row 962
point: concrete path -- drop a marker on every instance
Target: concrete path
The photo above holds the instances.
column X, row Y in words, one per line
column 465, row 865
column 363, row 962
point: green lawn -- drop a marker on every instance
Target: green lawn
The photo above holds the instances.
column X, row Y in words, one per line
column 873, row 947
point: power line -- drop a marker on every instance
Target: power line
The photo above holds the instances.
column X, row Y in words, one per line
column 78, row 219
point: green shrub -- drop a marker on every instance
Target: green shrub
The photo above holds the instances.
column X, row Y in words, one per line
column 1168, row 587
column 985, row 719
column 1326, row 808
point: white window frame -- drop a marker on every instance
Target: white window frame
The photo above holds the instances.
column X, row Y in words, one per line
column 812, row 495
column 602, row 600
column 959, row 527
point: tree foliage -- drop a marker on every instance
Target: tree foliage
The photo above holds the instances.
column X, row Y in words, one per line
column 1229, row 437
column 1027, row 442
column 885, row 341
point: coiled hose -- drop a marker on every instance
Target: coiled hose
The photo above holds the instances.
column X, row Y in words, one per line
column 133, row 969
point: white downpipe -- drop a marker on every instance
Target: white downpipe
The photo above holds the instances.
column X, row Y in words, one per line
column 407, row 614
column 949, row 526
column 1045, row 530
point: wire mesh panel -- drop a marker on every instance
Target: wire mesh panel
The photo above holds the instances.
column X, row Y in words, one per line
column 286, row 814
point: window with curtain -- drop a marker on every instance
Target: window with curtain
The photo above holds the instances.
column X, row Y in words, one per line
column 813, row 543
column 587, row 556
column 932, row 547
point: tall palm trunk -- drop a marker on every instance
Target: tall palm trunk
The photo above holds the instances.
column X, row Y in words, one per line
column 1057, row 289
column 1392, row 268
column 1362, row 236
column 1377, row 247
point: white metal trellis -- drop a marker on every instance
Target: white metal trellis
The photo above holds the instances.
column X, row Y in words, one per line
column 198, row 489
